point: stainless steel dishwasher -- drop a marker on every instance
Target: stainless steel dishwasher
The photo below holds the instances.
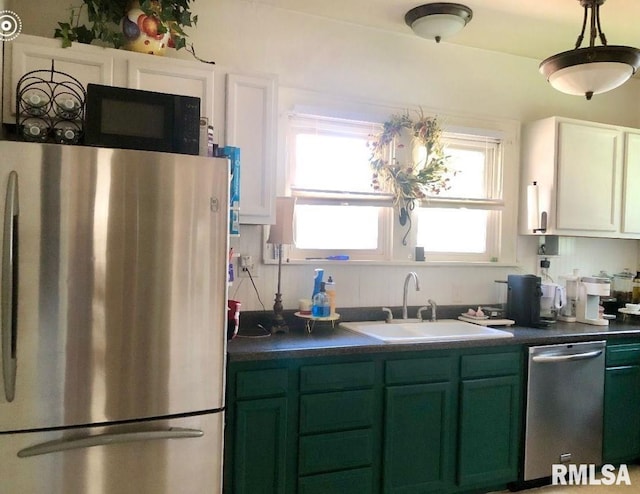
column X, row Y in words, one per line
column 565, row 394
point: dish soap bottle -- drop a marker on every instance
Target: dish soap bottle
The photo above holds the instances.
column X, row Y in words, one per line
column 321, row 306
column 330, row 288
column 317, row 279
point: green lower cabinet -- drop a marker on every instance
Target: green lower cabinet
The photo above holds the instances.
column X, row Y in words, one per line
column 621, row 428
column 621, row 414
column 417, row 454
column 260, row 446
column 489, row 431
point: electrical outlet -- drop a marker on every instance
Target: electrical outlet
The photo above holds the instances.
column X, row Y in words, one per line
column 246, row 266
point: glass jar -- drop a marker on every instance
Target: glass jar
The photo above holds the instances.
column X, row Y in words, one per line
column 35, row 130
column 635, row 295
column 622, row 286
column 35, row 103
column 67, row 106
column 66, row 132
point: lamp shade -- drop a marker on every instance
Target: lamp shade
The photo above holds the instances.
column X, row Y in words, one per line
column 438, row 20
column 282, row 232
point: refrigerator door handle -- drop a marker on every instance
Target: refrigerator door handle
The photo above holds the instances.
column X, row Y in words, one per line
column 106, row 439
column 9, row 293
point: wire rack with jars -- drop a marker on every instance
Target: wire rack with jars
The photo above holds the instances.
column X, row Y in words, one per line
column 50, row 107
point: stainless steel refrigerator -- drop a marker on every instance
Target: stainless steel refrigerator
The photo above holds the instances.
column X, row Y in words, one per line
column 113, row 320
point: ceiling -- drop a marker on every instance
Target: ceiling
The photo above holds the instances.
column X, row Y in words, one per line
column 530, row 28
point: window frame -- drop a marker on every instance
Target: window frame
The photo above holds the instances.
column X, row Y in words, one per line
column 310, row 196
column 503, row 232
column 493, row 203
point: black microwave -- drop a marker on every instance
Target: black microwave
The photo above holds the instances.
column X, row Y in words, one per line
column 134, row 119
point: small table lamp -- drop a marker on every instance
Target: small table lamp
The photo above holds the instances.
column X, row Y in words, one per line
column 279, row 234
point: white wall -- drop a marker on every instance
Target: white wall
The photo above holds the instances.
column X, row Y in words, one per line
column 358, row 66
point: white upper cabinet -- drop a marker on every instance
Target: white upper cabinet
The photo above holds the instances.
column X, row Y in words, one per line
column 588, row 175
column 93, row 64
column 163, row 75
column 631, row 192
column 251, row 126
column 585, row 174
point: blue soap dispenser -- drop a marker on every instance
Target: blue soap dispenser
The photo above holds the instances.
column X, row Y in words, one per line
column 317, row 280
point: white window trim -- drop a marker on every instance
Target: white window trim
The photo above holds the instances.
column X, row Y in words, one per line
column 507, row 130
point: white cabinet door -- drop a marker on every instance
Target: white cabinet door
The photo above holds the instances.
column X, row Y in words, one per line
column 85, row 63
column 250, row 125
column 174, row 77
column 588, row 178
column 631, row 190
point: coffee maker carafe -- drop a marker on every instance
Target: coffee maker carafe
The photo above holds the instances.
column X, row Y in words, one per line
column 553, row 299
column 571, row 282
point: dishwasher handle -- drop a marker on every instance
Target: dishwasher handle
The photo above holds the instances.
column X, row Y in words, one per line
column 566, row 358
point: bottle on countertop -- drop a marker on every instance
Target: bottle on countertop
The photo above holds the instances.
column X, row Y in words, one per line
column 317, row 279
column 636, row 289
column 321, row 306
column 330, row 288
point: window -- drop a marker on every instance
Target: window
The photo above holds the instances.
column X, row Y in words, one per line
column 462, row 223
column 338, row 212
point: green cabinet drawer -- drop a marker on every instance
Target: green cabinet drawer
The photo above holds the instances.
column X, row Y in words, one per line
column 358, row 481
column 627, row 354
column 490, row 365
column 418, row 370
column 336, row 451
column 327, row 412
column 261, row 383
column 336, row 377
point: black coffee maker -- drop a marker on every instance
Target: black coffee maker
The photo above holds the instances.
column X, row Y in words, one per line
column 523, row 300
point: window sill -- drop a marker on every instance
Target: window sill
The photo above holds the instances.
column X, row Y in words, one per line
column 357, row 262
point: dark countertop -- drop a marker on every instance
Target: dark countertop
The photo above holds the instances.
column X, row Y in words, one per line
column 324, row 340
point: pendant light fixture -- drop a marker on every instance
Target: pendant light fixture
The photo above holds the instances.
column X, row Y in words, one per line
column 438, row 20
column 594, row 69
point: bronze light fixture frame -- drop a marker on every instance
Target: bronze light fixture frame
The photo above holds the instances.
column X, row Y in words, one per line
column 592, row 53
column 438, row 8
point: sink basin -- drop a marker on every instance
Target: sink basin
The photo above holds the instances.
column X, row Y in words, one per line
column 411, row 332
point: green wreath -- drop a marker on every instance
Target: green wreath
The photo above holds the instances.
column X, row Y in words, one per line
column 409, row 181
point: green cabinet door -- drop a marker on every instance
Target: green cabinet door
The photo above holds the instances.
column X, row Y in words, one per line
column 621, row 440
column 260, row 446
column 489, row 431
column 417, row 443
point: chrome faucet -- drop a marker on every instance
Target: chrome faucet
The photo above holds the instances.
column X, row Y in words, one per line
column 406, row 289
column 433, row 307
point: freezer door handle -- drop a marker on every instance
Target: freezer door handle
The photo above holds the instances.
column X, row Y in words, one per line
column 566, row 358
column 106, row 439
column 9, row 289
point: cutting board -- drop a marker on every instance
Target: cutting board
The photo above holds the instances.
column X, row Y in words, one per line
column 487, row 322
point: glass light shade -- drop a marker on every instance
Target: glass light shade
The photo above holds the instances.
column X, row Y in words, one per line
column 594, row 77
column 592, row 70
column 438, row 26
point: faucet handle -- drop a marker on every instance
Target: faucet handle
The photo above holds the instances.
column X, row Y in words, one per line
column 389, row 314
column 434, row 306
column 420, row 310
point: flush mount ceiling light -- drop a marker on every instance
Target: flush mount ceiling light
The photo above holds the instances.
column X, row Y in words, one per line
column 438, row 20
column 594, row 69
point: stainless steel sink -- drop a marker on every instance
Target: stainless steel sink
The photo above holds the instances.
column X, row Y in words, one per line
column 412, row 332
